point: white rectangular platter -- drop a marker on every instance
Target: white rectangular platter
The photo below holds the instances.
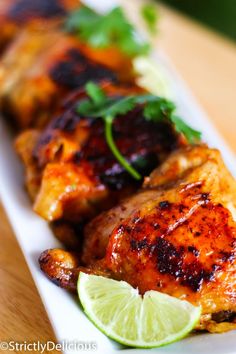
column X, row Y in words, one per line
column 33, row 234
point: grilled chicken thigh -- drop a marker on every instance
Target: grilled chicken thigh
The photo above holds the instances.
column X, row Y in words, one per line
column 43, row 63
column 76, row 173
column 21, row 55
column 15, row 14
column 177, row 235
column 40, row 68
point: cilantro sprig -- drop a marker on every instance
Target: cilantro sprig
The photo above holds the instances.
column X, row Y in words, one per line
column 100, row 106
column 156, row 109
column 105, row 30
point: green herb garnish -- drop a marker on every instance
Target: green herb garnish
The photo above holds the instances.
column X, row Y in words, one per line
column 156, row 109
column 73, row 187
column 107, row 108
column 150, row 15
column 106, row 30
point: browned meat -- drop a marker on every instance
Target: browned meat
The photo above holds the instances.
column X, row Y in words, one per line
column 15, row 14
column 80, row 175
column 39, row 69
column 43, row 64
column 28, row 47
column 63, row 268
column 177, row 236
column 25, row 145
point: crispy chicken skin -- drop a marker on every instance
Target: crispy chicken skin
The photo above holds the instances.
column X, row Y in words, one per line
column 17, row 13
column 177, row 235
column 63, row 268
column 28, row 47
column 183, row 166
column 25, row 145
column 39, row 69
column 43, row 63
column 80, row 175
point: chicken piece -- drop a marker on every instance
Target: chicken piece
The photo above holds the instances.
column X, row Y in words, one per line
column 36, row 149
column 80, row 175
column 64, row 268
column 15, row 14
column 177, row 235
column 180, row 166
column 39, row 70
column 43, row 64
column 69, row 234
column 25, row 145
column 24, row 51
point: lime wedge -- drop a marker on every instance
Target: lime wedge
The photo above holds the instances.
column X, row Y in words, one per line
column 152, row 77
column 120, row 312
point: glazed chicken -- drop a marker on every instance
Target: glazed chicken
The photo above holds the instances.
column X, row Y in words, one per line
column 72, row 174
column 44, row 63
column 176, row 235
column 28, row 47
column 39, row 69
column 15, row 14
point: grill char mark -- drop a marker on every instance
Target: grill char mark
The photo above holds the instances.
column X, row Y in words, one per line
column 155, row 141
column 24, row 10
column 224, row 316
column 162, row 251
column 170, row 260
column 75, row 70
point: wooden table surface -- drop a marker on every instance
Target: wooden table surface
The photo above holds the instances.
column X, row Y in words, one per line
column 207, row 62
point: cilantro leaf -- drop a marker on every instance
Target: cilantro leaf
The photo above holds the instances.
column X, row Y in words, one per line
column 99, row 105
column 84, row 16
column 191, row 134
column 97, row 99
column 85, row 108
column 111, row 107
column 155, row 109
column 116, row 107
column 158, row 109
column 95, row 93
column 105, row 30
column 151, row 16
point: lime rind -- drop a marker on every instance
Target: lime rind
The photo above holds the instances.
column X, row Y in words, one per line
column 118, row 311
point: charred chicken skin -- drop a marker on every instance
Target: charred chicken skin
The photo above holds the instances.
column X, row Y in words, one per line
column 17, row 13
column 39, row 69
column 176, row 235
column 77, row 174
column 43, row 63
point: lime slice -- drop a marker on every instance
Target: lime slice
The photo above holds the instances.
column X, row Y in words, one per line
column 152, row 77
column 147, row 321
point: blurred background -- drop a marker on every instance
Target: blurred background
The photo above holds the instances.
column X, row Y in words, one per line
column 217, row 14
